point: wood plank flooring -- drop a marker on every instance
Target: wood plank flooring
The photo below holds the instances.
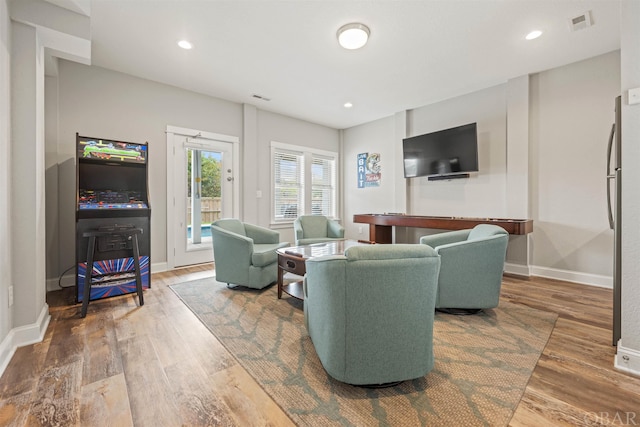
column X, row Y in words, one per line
column 157, row 365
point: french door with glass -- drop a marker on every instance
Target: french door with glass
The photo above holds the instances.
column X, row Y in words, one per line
column 203, row 192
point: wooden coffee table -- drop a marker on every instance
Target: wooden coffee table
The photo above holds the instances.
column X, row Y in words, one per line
column 292, row 260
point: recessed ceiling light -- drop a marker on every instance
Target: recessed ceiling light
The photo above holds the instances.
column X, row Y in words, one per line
column 348, row 105
column 353, row 36
column 533, row 35
column 185, row 44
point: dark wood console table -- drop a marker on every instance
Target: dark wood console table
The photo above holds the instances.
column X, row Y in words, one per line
column 381, row 225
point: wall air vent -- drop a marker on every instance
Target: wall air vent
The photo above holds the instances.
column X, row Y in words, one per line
column 581, row 22
column 264, row 98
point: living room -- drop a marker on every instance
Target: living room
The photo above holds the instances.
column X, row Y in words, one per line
column 542, row 140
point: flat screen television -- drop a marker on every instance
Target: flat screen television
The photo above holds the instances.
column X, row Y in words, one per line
column 445, row 154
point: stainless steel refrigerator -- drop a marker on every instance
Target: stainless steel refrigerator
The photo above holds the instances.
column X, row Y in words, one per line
column 614, row 191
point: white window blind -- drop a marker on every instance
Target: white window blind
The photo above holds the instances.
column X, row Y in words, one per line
column 288, row 168
column 323, row 186
column 304, row 182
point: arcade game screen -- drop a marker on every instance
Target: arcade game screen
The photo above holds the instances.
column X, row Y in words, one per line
column 100, row 149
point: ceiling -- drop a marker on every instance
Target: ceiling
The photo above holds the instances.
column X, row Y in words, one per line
column 419, row 52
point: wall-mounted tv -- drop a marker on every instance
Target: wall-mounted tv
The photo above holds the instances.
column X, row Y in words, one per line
column 445, row 154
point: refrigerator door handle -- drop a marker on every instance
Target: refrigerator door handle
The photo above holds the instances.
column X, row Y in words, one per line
column 610, row 176
column 610, row 148
column 610, row 210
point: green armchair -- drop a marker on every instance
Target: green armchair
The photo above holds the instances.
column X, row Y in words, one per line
column 472, row 263
column 316, row 229
column 245, row 254
column 370, row 312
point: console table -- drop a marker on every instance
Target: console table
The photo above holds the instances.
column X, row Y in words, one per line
column 381, row 225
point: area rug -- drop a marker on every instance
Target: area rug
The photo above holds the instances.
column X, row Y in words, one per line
column 482, row 362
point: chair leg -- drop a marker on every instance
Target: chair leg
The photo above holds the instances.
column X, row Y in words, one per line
column 136, row 265
column 86, row 295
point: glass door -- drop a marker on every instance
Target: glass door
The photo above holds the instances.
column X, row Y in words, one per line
column 204, row 193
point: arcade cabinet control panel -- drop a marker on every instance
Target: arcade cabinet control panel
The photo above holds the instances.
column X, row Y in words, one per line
column 122, row 199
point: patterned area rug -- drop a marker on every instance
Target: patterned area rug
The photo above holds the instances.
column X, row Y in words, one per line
column 482, row 362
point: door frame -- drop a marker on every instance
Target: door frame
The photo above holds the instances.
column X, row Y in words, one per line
column 176, row 136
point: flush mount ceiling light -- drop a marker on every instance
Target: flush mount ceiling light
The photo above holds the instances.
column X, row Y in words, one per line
column 353, row 36
column 185, row 44
column 348, row 105
column 533, row 35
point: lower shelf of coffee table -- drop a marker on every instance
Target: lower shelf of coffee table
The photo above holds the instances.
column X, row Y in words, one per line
column 294, row 289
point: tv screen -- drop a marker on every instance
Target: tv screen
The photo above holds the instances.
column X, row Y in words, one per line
column 446, row 153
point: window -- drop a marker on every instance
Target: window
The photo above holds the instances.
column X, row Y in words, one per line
column 294, row 193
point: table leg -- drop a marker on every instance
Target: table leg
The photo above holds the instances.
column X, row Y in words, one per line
column 280, row 278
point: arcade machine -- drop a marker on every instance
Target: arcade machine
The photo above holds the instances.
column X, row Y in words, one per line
column 112, row 218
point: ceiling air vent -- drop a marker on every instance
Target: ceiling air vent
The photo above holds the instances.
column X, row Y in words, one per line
column 264, row 98
column 581, row 22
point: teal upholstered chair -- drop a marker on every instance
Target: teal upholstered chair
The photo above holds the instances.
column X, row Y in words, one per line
column 472, row 263
column 245, row 254
column 316, row 229
column 370, row 312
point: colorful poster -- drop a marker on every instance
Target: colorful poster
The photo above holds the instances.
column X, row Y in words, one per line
column 369, row 170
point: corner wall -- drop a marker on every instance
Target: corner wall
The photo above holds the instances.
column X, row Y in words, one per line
column 568, row 117
column 6, row 312
column 628, row 356
column 572, row 110
column 98, row 102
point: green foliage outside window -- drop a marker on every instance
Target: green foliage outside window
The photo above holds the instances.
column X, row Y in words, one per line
column 211, row 172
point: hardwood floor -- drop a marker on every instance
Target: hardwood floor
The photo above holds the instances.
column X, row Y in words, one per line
column 159, row 366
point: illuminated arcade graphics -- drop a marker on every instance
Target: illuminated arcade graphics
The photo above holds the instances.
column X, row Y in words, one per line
column 111, row 196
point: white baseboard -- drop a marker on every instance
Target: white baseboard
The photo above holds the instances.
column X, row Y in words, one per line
column 68, row 280
column 23, row 335
column 558, row 274
column 573, row 276
column 627, row 360
column 517, row 269
column 159, row 267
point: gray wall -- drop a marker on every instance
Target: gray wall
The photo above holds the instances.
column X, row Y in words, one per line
column 102, row 103
column 571, row 117
column 276, row 127
column 570, row 112
column 483, row 194
column 629, row 348
column 373, row 137
column 6, row 313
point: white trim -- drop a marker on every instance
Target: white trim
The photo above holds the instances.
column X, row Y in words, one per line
column 517, row 269
column 573, row 276
column 67, row 281
column 159, row 267
column 308, row 153
column 627, row 360
column 173, row 132
column 202, row 134
column 302, row 149
column 23, row 335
